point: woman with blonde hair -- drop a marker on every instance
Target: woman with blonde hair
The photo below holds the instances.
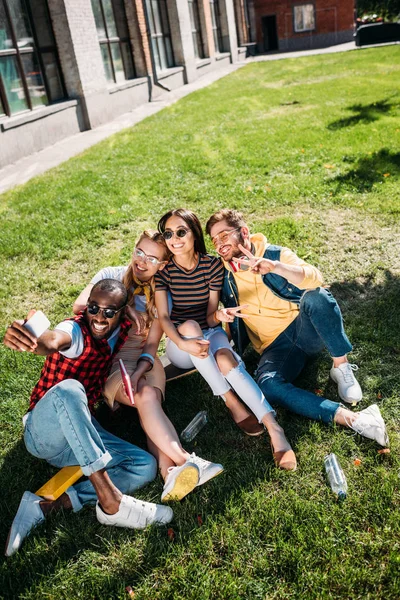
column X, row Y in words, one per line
column 181, row 471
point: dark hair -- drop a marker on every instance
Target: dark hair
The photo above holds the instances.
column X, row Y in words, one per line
column 111, row 285
column 191, row 221
column 233, row 218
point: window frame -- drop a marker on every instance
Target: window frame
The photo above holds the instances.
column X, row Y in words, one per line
column 162, row 35
column 109, row 40
column 303, row 4
column 35, row 49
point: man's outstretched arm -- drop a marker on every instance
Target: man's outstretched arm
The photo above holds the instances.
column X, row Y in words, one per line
column 18, row 338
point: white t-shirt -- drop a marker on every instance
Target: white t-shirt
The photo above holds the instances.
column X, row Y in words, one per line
column 118, row 273
column 76, row 335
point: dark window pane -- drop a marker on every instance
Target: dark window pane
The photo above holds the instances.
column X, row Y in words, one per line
column 107, row 62
column 5, row 35
column 98, row 17
column 128, row 62
column 52, row 76
column 110, row 21
column 168, row 48
column 20, row 21
column 34, row 79
column 164, row 18
column 42, row 24
column 1, row 109
column 13, row 85
column 117, row 62
column 120, row 18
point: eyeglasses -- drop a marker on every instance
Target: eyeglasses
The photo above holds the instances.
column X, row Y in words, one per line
column 137, row 253
column 180, row 233
column 108, row 313
column 223, row 237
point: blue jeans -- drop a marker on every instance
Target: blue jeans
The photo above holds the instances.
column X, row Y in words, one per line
column 318, row 325
column 61, row 430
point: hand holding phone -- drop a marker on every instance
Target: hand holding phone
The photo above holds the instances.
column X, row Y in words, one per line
column 126, row 381
column 37, row 324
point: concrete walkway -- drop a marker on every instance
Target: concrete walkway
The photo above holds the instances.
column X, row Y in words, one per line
column 36, row 164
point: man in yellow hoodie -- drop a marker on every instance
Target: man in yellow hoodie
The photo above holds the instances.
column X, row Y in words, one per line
column 288, row 318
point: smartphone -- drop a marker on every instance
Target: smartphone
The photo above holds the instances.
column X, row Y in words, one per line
column 37, row 324
column 126, row 381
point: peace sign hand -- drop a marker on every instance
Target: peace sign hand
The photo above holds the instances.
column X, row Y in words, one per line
column 261, row 266
column 228, row 315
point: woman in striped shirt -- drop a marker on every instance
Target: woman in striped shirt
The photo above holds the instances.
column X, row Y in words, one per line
column 194, row 280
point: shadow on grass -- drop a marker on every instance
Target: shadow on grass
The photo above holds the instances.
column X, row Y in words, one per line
column 367, row 170
column 373, row 324
column 366, row 113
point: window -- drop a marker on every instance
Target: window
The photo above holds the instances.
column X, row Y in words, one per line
column 30, row 73
column 160, row 33
column 216, row 25
column 196, row 29
column 304, row 17
column 113, row 34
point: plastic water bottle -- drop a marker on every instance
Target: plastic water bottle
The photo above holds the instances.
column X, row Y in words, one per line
column 194, row 426
column 336, row 477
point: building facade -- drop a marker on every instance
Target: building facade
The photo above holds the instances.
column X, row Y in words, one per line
column 70, row 65
column 284, row 25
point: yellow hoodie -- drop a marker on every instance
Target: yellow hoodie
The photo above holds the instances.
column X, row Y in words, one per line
column 268, row 314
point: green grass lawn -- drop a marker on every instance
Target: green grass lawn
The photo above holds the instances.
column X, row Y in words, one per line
column 308, row 148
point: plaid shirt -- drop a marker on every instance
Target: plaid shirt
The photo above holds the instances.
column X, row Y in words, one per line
column 91, row 368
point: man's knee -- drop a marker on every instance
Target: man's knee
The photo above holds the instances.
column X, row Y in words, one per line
column 318, row 299
column 190, row 329
column 72, row 392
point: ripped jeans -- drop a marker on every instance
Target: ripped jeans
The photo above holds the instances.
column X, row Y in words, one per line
column 318, row 325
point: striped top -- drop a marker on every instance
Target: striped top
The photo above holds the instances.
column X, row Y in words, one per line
column 190, row 291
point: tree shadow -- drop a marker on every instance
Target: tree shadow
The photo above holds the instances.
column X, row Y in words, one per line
column 368, row 169
column 366, row 113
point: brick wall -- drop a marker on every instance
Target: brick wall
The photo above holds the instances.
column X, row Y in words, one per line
column 331, row 16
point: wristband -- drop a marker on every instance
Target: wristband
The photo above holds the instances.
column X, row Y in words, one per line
column 216, row 318
column 145, row 356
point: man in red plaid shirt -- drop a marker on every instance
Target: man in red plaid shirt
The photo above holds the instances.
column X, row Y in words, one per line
column 59, row 426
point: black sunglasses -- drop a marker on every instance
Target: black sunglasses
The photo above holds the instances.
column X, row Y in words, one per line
column 108, row 313
column 180, row 233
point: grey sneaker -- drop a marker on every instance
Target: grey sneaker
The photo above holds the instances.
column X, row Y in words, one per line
column 135, row 514
column 180, row 481
column 207, row 469
column 29, row 515
column 349, row 389
column 369, row 424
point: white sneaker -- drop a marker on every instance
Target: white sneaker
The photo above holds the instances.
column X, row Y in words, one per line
column 348, row 387
column 180, row 481
column 207, row 469
column 369, row 423
column 29, row 515
column 135, row 514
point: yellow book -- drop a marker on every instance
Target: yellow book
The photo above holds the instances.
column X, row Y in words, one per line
column 57, row 485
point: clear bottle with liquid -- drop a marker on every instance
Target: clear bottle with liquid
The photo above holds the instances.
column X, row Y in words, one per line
column 336, row 477
column 195, row 425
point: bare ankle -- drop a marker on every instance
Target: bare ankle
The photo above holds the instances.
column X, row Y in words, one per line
column 339, row 360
